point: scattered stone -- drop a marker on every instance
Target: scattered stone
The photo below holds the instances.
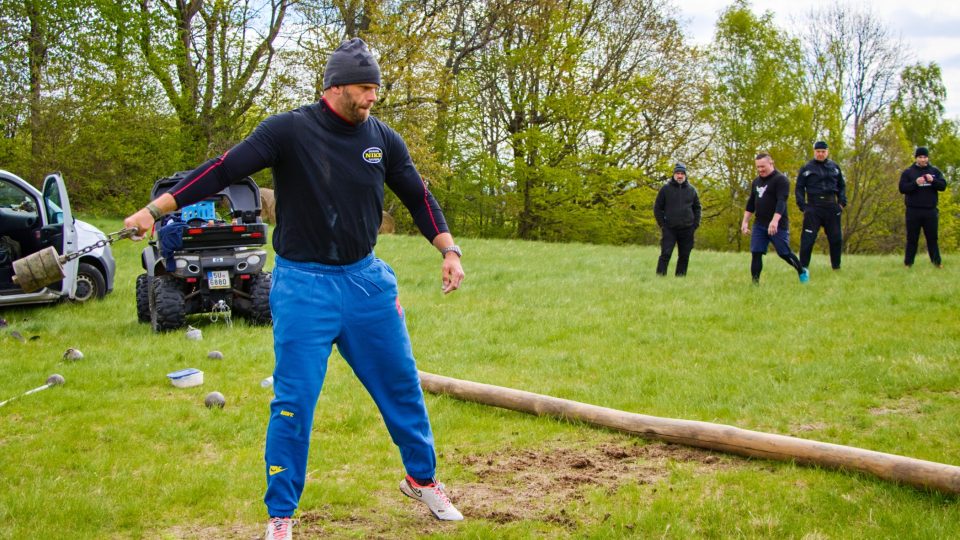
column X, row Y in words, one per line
column 17, row 336
column 72, row 355
column 194, row 333
column 215, row 355
column 214, row 399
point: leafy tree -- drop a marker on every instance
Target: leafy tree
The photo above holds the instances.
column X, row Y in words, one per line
column 859, row 60
column 211, row 59
column 35, row 46
column 755, row 105
column 569, row 98
column 919, row 102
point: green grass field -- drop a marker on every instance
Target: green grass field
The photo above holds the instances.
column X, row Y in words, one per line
column 866, row 357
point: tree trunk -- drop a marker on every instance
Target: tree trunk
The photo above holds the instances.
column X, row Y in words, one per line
column 37, row 61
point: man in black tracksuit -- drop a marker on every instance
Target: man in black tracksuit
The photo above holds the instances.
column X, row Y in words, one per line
column 677, row 210
column 919, row 184
column 821, row 193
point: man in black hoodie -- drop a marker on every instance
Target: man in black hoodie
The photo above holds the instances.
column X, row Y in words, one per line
column 919, row 184
column 821, row 193
column 768, row 200
column 677, row 210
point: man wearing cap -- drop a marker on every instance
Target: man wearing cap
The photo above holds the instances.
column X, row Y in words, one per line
column 919, row 184
column 821, row 194
column 330, row 162
column 768, row 206
column 677, row 210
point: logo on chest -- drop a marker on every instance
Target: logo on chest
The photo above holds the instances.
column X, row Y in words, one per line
column 373, row 155
column 761, row 190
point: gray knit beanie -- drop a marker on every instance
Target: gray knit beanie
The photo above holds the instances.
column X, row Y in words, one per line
column 351, row 63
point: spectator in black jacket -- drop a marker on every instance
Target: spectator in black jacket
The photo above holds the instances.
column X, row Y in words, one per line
column 677, row 210
column 768, row 201
column 919, row 184
column 821, row 193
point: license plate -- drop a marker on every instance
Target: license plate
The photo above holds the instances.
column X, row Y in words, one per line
column 218, row 279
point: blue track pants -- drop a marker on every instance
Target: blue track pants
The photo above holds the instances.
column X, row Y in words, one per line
column 355, row 307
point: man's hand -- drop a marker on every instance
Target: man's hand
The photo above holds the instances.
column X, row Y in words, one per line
column 141, row 220
column 452, row 274
column 745, row 227
column 772, row 228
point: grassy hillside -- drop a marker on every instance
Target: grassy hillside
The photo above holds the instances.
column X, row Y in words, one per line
column 867, row 357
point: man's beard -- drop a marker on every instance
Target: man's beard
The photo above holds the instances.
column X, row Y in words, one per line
column 355, row 113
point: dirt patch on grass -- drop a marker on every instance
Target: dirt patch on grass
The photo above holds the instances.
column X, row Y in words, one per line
column 515, row 485
column 531, row 484
column 904, row 406
column 518, row 485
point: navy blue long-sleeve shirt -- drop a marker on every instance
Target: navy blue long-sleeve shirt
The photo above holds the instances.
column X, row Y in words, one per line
column 768, row 196
column 329, row 178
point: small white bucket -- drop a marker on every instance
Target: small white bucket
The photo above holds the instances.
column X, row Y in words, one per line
column 185, row 378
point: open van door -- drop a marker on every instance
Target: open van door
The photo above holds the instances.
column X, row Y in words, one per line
column 60, row 227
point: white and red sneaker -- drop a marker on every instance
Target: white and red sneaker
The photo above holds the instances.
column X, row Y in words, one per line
column 433, row 496
column 279, row 528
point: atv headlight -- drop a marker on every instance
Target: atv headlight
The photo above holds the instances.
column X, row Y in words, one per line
column 253, row 260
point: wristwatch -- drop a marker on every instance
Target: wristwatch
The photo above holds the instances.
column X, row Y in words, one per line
column 454, row 249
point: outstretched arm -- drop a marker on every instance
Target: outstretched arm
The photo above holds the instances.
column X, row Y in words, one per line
column 242, row 160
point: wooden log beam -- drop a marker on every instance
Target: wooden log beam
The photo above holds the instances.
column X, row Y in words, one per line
column 733, row 440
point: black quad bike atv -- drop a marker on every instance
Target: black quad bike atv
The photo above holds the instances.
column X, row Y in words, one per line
column 199, row 262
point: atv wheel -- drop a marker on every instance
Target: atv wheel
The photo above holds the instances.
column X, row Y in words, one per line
column 143, row 298
column 168, row 312
column 259, row 313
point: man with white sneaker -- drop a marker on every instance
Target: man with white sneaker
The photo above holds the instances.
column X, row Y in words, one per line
column 330, row 163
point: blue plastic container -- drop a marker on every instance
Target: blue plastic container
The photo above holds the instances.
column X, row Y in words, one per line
column 205, row 210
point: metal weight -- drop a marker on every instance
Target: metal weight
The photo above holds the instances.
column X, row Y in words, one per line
column 37, row 270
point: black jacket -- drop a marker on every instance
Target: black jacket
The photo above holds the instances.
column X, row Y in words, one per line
column 677, row 205
column 820, row 178
column 924, row 196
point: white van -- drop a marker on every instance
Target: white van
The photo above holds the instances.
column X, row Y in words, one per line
column 31, row 221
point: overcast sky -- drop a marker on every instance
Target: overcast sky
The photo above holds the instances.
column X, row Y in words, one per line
column 930, row 30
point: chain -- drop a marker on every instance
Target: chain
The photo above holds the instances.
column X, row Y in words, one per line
column 112, row 237
column 221, row 307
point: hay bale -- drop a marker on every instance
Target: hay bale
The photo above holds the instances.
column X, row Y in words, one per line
column 387, row 224
column 268, row 211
